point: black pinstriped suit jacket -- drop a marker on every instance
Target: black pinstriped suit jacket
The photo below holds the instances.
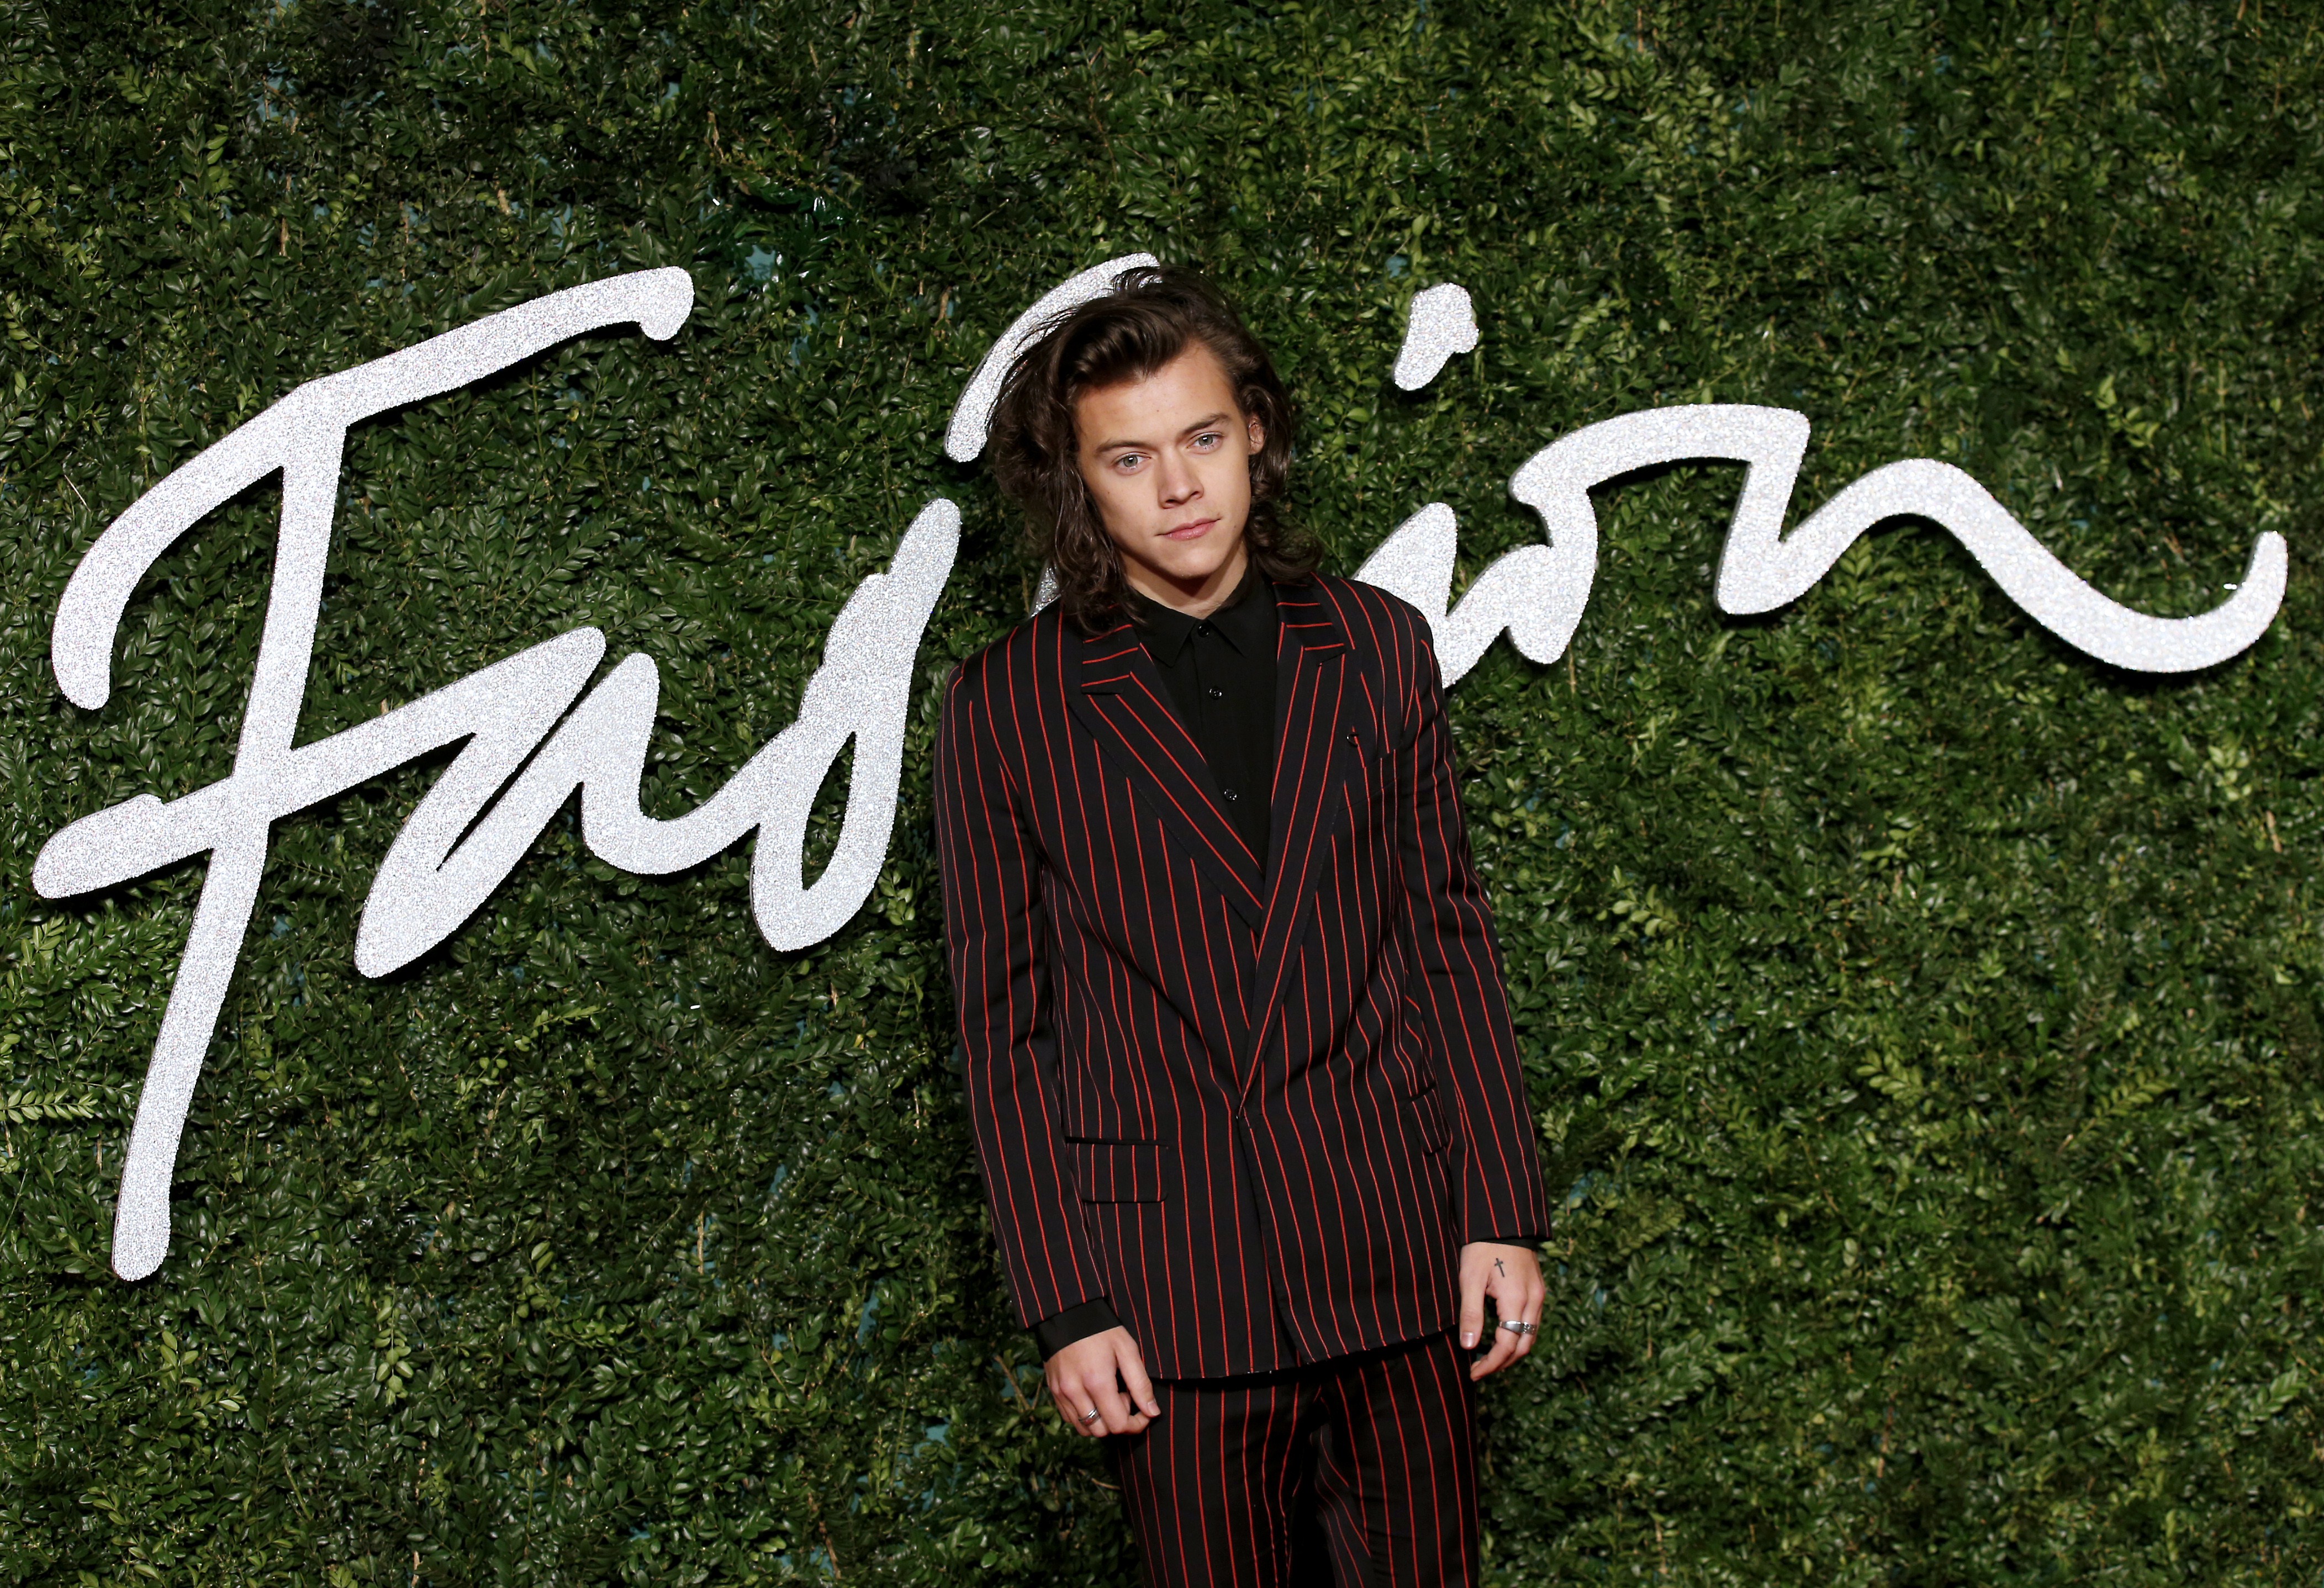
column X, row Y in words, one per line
column 1257, row 1105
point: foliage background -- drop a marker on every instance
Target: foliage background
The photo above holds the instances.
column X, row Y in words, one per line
column 1923, row 1019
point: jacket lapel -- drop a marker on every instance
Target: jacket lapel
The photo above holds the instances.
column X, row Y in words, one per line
column 1117, row 697
column 1312, row 760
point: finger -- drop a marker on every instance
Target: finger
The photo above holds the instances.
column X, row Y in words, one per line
column 1519, row 1299
column 1492, row 1361
column 1506, row 1343
column 1115, row 1414
column 1066, row 1397
column 1070, row 1409
column 1134, row 1379
column 1517, row 1302
column 1074, row 1403
column 1498, row 1358
column 1472, row 1309
column 1536, row 1293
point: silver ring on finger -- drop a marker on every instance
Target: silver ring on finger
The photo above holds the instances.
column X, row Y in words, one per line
column 1515, row 1327
column 1088, row 1417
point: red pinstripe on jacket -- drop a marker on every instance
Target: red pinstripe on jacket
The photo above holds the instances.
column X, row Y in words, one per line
column 1258, row 1106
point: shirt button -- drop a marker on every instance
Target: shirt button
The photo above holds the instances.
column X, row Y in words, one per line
column 1201, row 627
column 1230, row 794
column 1216, row 695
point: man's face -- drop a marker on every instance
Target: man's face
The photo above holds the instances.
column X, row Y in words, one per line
column 1167, row 459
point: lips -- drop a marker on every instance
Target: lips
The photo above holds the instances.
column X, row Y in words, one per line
column 1193, row 531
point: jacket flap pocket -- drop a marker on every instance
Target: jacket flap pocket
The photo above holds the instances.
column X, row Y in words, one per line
column 1118, row 1171
column 1428, row 1110
column 1433, row 1133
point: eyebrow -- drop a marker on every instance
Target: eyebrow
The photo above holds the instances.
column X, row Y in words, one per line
column 1205, row 422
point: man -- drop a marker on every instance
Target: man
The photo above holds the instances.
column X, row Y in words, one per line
column 1246, row 1097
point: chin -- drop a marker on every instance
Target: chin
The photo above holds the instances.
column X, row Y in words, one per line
column 1191, row 570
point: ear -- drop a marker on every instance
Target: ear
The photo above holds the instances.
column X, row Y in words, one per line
column 1256, row 432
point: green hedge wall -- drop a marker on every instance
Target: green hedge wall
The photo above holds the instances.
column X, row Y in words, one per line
column 1923, row 1019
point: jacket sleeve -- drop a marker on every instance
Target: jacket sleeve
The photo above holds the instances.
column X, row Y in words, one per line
column 994, row 938
column 1463, row 1005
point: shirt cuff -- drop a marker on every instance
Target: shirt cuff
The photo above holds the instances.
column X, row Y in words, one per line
column 1077, row 1322
column 1535, row 1242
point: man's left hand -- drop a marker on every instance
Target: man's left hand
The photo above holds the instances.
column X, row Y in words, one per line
column 1511, row 1276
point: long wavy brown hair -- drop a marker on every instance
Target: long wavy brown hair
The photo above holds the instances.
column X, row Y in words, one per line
column 1150, row 317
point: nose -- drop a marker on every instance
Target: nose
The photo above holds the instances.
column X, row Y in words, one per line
column 1176, row 480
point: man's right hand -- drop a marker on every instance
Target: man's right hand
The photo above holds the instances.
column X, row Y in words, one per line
column 1092, row 1374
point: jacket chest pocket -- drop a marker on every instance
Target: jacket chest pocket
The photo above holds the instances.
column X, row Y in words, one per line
column 1118, row 1171
column 1361, row 793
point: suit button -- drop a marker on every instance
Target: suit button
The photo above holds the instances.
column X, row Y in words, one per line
column 1216, row 695
column 1230, row 794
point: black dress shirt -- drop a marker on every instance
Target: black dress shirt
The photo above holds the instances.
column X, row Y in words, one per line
column 1220, row 672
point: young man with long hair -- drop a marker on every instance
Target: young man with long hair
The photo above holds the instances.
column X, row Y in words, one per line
column 1246, row 1097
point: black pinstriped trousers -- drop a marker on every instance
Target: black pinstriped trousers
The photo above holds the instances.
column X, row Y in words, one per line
column 1360, row 1471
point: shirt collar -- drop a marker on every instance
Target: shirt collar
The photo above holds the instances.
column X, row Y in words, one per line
column 1246, row 621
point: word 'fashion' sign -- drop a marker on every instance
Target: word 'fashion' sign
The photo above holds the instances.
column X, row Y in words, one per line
column 534, row 737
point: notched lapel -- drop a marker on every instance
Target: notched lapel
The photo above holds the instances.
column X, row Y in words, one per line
column 1116, row 695
column 1312, row 760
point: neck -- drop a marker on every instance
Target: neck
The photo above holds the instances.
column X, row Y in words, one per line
column 1197, row 598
